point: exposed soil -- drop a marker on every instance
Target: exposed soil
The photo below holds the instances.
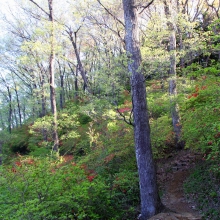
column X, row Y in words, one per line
column 172, row 173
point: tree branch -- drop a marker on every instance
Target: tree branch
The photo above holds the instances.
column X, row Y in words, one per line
column 146, row 6
column 40, row 7
column 111, row 13
column 124, row 118
column 213, row 7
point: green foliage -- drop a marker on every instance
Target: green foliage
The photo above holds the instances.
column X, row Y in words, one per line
column 160, row 143
column 84, row 119
column 113, row 78
column 160, row 121
column 158, row 103
column 201, row 111
column 41, row 151
column 196, row 70
column 203, row 187
column 67, row 124
column 201, row 130
column 193, row 70
column 17, row 141
column 47, row 189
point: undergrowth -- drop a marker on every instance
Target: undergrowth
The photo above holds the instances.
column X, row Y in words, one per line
column 202, row 187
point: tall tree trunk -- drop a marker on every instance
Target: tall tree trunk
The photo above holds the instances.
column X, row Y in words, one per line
column 18, row 104
column 10, row 109
column 172, row 73
column 24, row 113
column 62, row 90
column 35, row 111
column 68, row 88
column 76, row 84
column 182, row 61
column 15, row 118
column 80, row 66
column 51, row 73
column 52, row 79
column 173, row 92
column 75, row 81
column 43, row 98
column 150, row 201
column 2, row 122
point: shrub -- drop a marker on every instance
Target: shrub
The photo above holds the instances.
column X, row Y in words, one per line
column 48, row 189
column 200, row 119
column 203, row 187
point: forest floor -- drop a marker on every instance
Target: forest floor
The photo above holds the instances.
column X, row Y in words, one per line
column 171, row 174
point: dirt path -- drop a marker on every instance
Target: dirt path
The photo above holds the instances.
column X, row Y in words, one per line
column 171, row 175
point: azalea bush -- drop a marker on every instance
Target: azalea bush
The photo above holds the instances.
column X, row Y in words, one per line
column 33, row 188
column 200, row 119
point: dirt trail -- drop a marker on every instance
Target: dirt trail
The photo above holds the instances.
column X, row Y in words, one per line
column 172, row 174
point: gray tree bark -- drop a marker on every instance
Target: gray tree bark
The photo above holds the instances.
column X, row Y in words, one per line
column 150, row 201
column 52, row 79
column 10, row 109
column 51, row 73
column 62, row 90
column 18, row 103
column 79, row 63
column 172, row 82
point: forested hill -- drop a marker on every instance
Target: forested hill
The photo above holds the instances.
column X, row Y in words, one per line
column 106, row 107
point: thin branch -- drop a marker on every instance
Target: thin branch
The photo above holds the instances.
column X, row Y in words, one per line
column 146, row 6
column 213, row 7
column 40, row 7
column 124, row 118
column 111, row 13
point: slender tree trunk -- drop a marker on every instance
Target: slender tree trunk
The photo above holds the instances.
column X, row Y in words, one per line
column 62, row 92
column 80, row 66
column 182, row 61
column 10, row 110
column 24, row 113
column 62, row 89
column 172, row 81
column 2, row 122
column 19, row 106
column 15, row 118
column 68, row 88
column 43, row 98
column 150, row 201
column 173, row 91
column 75, row 81
column 52, row 79
column 76, row 84
column 35, row 111
column 43, row 101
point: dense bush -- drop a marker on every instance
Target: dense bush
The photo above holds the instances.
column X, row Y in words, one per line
column 17, row 142
column 47, row 189
column 203, row 187
column 200, row 119
column 201, row 131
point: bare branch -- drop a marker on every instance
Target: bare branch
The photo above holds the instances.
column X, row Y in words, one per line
column 124, row 118
column 214, row 8
column 111, row 13
column 40, row 7
column 146, row 6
